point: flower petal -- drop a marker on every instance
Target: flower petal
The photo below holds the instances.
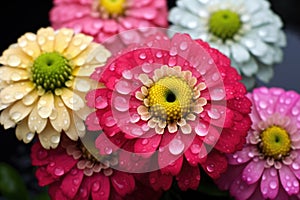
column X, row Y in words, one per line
column 19, row 111
column 23, row 133
column 239, row 53
column 13, row 74
column 49, row 138
column 78, row 44
column 102, row 192
column 288, row 180
column 28, row 43
column 122, row 182
column 253, row 171
column 71, row 99
column 71, row 183
column 269, row 183
column 35, row 122
column 45, row 105
column 188, row 178
column 45, row 38
column 15, row 91
column 62, row 39
column 60, row 117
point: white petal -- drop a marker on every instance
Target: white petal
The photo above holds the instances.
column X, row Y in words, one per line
column 15, row 91
column 239, row 53
column 268, row 33
column 249, row 68
column 5, row 119
column 45, row 38
column 45, row 105
column 49, row 138
column 19, row 111
column 255, row 45
column 265, row 73
column 186, row 129
column 13, row 74
column 35, row 122
column 23, row 133
column 72, row 100
column 60, row 117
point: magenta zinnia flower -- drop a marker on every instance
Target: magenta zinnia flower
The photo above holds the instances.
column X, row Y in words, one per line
column 172, row 101
column 268, row 166
column 73, row 171
column 105, row 18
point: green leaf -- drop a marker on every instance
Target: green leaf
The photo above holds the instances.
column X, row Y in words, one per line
column 12, row 186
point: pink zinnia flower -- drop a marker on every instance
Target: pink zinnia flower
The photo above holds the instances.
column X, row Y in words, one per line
column 105, row 18
column 268, row 166
column 174, row 101
column 73, row 171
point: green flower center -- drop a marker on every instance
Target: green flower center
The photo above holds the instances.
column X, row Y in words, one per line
column 112, row 7
column 224, row 24
column 275, row 142
column 51, row 71
column 170, row 99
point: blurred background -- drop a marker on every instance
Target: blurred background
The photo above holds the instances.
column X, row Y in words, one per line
column 18, row 17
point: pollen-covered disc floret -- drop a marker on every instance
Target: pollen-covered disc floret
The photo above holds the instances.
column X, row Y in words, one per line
column 171, row 98
column 110, row 8
column 268, row 166
column 43, row 82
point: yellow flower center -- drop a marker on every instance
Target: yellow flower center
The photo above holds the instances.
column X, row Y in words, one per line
column 224, row 24
column 170, row 99
column 112, row 7
column 275, row 142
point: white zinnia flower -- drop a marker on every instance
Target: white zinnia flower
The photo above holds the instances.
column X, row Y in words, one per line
column 248, row 32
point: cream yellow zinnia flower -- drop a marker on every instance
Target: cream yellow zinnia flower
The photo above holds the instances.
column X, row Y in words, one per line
column 43, row 82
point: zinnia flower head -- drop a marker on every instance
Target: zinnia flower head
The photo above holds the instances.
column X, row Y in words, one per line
column 268, row 166
column 44, row 79
column 105, row 18
column 248, row 32
column 173, row 103
column 72, row 171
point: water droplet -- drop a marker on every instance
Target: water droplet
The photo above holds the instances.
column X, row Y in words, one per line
column 214, row 114
column 59, row 171
column 201, row 129
column 29, row 136
column 142, row 56
column 15, row 77
column 145, row 141
column 76, row 181
column 127, row 74
column 239, row 160
column 195, row 148
column 152, row 180
column 96, row 186
column 101, row 102
column 262, row 104
column 108, row 150
column 13, row 60
column 295, row 183
column 16, row 116
column 55, row 139
column 183, row 46
column 210, row 61
column 176, row 147
column 295, row 111
column 109, row 121
column 137, row 131
column 123, row 87
column 295, row 166
column 159, row 54
column 134, row 118
column 121, row 104
column 172, row 61
column 215, row 76
column 19, row 95
column 217, row 94
column 42, row 154
column 147, row 67
column 210, row 168
column 173, row 51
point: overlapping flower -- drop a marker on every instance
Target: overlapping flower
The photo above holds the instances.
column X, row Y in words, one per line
column 268, row 167
column 248, row 32
column 173, row 101
column 44, row 79
column 105, row 18
column 72, row 172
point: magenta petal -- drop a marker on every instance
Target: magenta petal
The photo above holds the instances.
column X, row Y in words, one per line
column 39, row 155
column 253, row 171
column 288, row 180
column 44, row 178
column 286, row 102
column 196, row 153
column 84, row 190
column 295, row 167
column 265, row 101
column 269, row 183
column 160, row 181
column 122, row 182
column 55, row 192
column 241, row 190
column 240, row 157
column 147, row 146
column 100, row 187
column 71, row 183
column 188, row 178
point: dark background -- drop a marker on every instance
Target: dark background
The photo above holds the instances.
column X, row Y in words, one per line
column 20, row 16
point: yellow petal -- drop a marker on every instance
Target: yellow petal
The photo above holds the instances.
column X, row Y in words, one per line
column 23, row 133
column 60, row 117
column 30, row 98
column 45, row 38
column 19, row 111
column 5, row 119
column 83, row 84
column 86, row 70
column 35, row 122
column 49, row 138
column 78, row 43
column 84, row 112
column 15, row 91
column 28, row 43
column 13, row 74
column 62, row 39
column 77, row 128
column 15, row 57
column 71, row 100
column 45, row 105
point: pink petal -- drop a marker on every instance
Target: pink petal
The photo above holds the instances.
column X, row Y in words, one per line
column 286, row 102
column 288, row 180
column 196, row 153
column 241, row 157
column 110, row 26
column 68, row 12
column 106, row 145
column 269, row 185
column 215, row 164
column 147, row 13
column 188, row 178
column 147, row 146
column 253, row 171
column 122, row 182
column 44, row 178
column 55, row 192
column 100, row 187
column 295, row 167
column 265, row 101
column 227, row 178
column 71, row 183
column 160, row 181
column 85, row 189
column 39, row 155
column 241, row 190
